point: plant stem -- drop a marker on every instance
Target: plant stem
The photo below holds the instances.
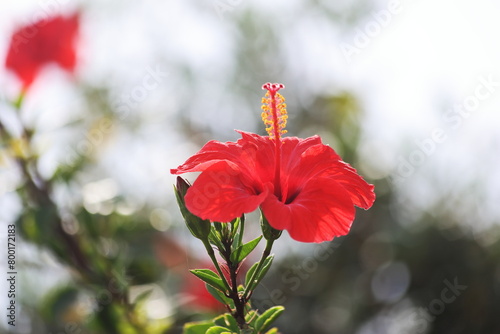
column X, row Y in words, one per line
column 211, row 253
column 239, row 302
column 38, row 195
column 249, row 288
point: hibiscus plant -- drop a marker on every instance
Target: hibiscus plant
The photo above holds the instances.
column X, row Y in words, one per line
column 300, row 185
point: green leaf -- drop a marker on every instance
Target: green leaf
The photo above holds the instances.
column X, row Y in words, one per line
column 265, row 268
column 250, row 272
column 231, row 322
column 220, row 321
column 227, row 321
column 218, row 330
column 235, row 225
column 219, row 296
column 267, row 318
column 272, row 331
column 238, row 230
column 251, row 317
column 208, row 276
column 242, row 252
column 247, row 331
column 197, row 327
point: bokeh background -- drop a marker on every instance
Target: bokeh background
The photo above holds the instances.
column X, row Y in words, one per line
column 408, row 92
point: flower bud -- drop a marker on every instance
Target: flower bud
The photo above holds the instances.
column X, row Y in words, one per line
column 198, row 227
column 269, row 232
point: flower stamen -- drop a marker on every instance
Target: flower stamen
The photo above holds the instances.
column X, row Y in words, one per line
column 274, row 116
column 274, row 113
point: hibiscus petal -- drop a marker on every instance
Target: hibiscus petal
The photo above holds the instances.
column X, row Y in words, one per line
column 362, row 193
column 258, row 155
column 212, row 152
column 252, row 154
column 294, row 147
column 321, row 211
column 322, row 161
column 222, row 193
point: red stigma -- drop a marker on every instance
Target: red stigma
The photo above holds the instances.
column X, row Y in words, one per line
column 273, row 87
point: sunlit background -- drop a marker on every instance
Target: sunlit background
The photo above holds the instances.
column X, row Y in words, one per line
column 408, row 92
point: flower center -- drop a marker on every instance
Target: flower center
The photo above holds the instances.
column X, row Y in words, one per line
column 274, row 117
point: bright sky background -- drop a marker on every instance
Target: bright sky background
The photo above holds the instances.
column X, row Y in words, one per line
column 428, row 58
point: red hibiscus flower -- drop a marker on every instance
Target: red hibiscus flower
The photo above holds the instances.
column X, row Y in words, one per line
column 301, row 185
column 44, row 42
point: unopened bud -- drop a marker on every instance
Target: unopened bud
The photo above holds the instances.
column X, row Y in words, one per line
column 198, row 227
column 269, row 232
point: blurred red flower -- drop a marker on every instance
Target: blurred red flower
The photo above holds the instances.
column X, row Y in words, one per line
column 41, row 43
column 301, row 185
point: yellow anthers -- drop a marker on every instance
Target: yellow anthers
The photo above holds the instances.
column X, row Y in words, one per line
column 274, row 113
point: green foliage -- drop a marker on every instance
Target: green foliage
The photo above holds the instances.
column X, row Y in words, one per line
column 253, row 277
column 225, row 323
column 219, row 296
column 197, row 328
column 227, row 238
column 56, row 303
column 209, row 277
column 215, row 238
column 218, row 330
column 265, row 320
column 244, row 250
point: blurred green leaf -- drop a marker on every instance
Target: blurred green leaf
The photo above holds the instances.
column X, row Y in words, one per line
column 231, row 322
column 28, row 227
column 59, row 301
column 197, row 327
column 218, row 330
column 251, row 317
column 227, row 321
column 268, row 317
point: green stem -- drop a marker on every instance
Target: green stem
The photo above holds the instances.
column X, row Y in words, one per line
column 211, row 253
column 267, row 251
